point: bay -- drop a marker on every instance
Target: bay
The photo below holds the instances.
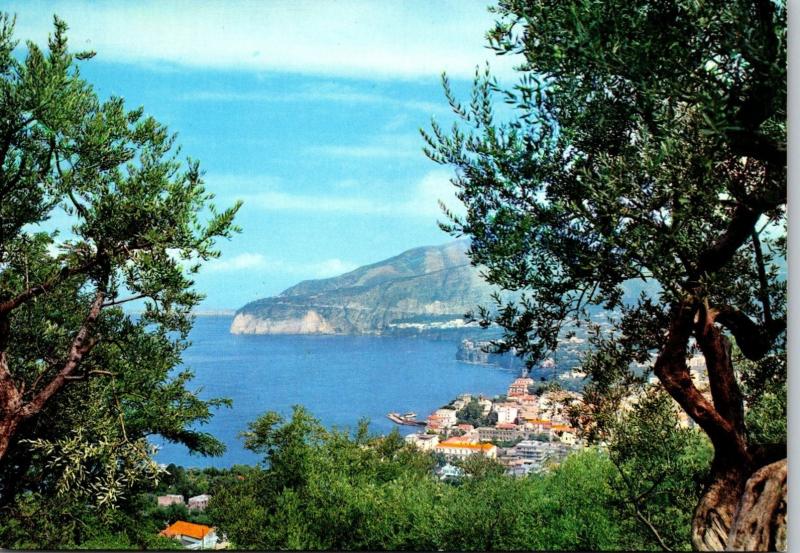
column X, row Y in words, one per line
column 339, row 379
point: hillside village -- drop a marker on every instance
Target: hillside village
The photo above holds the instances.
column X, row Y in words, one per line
column 523, row 430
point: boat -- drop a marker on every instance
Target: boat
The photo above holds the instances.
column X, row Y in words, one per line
column 410, row 415
column 397, row 418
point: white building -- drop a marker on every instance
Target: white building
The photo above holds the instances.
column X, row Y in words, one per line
column 506, row 413
column 169, row 499
column 568, row 438
column 447, row 417
column 425, row 442
column 199, row 502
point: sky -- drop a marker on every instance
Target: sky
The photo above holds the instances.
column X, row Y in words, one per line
column 308, row 111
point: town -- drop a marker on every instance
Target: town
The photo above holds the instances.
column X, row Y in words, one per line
column 523, row 431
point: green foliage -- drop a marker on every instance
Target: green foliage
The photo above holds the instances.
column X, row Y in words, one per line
column 369, row 492
column 472, row 413
column 643, row 141
column 98, row 209
column 661, row 470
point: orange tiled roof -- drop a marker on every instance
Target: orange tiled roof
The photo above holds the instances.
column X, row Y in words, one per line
column 543, row 422
column 468, row 445
column 183, row 528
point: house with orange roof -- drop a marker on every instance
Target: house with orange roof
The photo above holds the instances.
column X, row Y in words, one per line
column 190, row 535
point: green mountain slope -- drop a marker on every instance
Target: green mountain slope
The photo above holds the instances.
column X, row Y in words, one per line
column 423, row 289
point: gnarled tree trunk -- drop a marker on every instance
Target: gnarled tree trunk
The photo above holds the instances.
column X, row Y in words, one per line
column 744, row 506
column 747, row 515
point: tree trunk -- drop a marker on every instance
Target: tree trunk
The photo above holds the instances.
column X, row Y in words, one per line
column 10, row 404
column 737, row 514
column 745, row 504
column 8, row 427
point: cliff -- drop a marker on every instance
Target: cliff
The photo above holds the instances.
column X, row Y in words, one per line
column 426, row 289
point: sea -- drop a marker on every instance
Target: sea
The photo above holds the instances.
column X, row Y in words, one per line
column 339, row 379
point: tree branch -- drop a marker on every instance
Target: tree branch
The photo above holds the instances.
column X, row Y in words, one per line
column 739, row 229
column 722, row 380
column 88, row 374
column 81, row 345
column 762, row 279
column 754, row 340
column 126, row 300
column 671, row 369
column 39, row 289
column 635, row 503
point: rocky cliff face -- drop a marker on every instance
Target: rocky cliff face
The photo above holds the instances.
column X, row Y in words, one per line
column 420, row 290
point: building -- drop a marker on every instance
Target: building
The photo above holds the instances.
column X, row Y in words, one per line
column 450, row 472
column 425, row 442
column 486, row 405
column 169, row 499
column 506, row 412
column 516, row 466
column 539, row 452
column 503, row 432
column 447, row 416
column 519, row 387
column 199, row 502
column 434, row 424
column 461, row 402
column 462, row 450
column 192, row 536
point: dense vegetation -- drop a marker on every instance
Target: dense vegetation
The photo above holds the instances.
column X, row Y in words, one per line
column 646, row 141
column 321, row 489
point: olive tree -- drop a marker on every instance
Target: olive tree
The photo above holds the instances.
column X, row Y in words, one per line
column 96, row 210
column 646, row 143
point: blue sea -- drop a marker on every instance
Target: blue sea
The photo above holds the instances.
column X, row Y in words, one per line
column 340, row 379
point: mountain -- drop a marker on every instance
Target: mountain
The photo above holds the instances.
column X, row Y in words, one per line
column 420, row 290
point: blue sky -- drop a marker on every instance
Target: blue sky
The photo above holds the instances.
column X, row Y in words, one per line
column 307, row 111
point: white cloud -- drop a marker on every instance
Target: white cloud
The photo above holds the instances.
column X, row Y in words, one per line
column 390, row 145
column 367, row 151
column 433, row 188
column 423, row 200
column 356, row 38
column 236, row 263
column 264, row 264
column 331, row 267
column 326, row 92
column 281, row 201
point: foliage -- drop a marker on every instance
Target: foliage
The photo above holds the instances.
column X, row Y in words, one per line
column 98, row 210
column 661, row 470
column 646, row 142
column 472, row 413
column 368, row 492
